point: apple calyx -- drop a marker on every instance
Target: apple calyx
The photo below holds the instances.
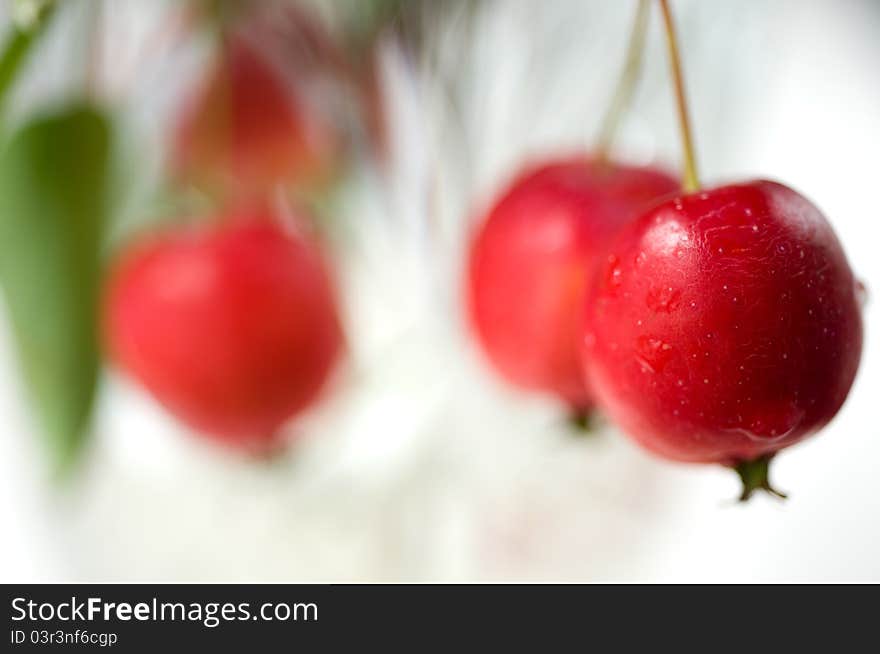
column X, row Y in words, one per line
column 755, row 476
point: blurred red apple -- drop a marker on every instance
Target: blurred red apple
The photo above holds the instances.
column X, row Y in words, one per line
column 530, row 260
column 232, row 325
column 247, row 129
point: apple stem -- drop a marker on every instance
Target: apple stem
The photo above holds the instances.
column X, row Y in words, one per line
column 582, row 422
column 690, row 180
column 626, row 84
column 755, row 475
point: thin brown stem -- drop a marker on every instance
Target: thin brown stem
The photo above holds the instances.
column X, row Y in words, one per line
column 690, row 179
column 626, row 85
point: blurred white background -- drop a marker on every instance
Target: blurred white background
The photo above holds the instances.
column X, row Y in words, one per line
column 421, row 465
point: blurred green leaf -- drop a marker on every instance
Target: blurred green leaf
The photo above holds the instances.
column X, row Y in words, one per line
column 19, row 42
column 28, row 13
column 55, row 179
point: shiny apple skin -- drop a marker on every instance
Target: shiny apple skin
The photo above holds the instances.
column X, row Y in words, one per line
column 232, row 326
column 530, row 258
column 724, row 325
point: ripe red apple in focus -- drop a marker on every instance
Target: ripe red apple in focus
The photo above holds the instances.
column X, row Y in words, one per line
column 724, row 325
column 530, row 259
column 232, row 324
column 245, row 130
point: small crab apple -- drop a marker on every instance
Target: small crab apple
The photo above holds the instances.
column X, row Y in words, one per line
column 533, row 253
column 231, row 324
column 246, row 130
column 724, row 324
column 530, row 260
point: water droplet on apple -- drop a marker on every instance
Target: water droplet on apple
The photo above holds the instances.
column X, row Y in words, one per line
column 665, row 299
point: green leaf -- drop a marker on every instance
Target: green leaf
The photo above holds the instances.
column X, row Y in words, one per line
column 55, row 196
column 19, row 43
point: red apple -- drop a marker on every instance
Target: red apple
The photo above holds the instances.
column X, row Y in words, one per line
column 245, row 130
column 530, row 259
column 724, row 325
column 232, row 324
